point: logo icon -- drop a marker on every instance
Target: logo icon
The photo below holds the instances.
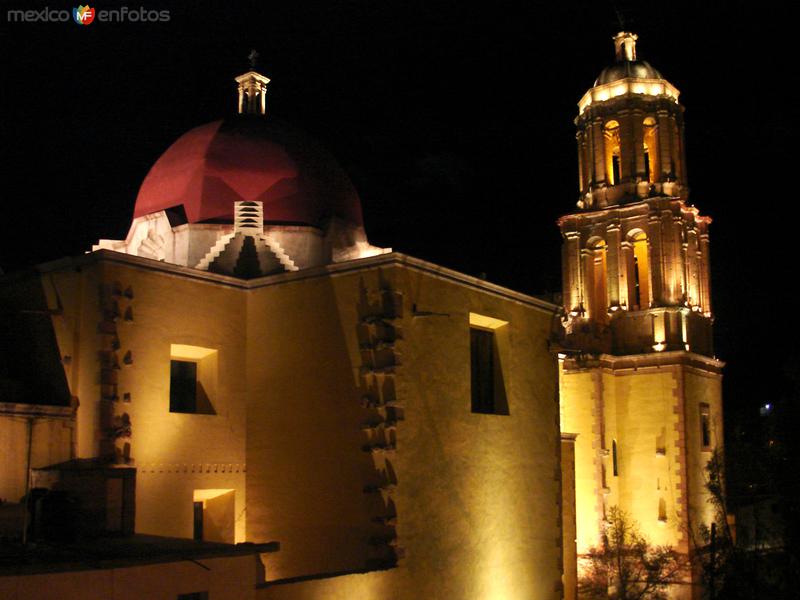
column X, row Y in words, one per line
column 83, row 15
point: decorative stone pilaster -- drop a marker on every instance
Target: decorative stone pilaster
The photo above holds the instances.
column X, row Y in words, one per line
column 572, row 272
column 626, row 283
column 665, row 146
column 692, row 267
column 656, row 259
column 705, row 269
column 627, row 150
column 675, row 145
column 599, row 152
column 614, row 266
column 638, row 136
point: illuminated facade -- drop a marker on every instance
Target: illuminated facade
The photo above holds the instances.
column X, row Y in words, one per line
column 248, row 367
column 640, row 387
column 271, row 376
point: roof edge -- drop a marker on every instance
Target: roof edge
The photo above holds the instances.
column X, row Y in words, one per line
column 336, row 269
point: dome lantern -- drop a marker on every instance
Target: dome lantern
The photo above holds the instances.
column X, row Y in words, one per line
column 252, row 89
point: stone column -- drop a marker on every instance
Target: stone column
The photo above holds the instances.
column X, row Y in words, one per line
column 587, row 163
column 627, row 147
column 598, row 149
column 638, row 136
column 664, row 145
column 581, row 165
column 676, row 285
column 588, row 283
column 626, row 281
column 681, row 151
column 676, row 148
column 685, row 274
column 263, row 100
column 705, row 250
column 648, row 301
column 613, row 264
column 572, row 284
column 657, row 290
column 692, row 270
column 673, row 267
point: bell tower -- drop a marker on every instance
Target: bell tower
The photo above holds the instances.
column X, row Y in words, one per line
column 640, row 386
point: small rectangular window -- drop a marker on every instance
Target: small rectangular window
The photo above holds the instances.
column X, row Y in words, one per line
column 487, row 385
column 192, row 379
column 183, row 386
column 482, row 359
column 705, row 427
column 198, row 521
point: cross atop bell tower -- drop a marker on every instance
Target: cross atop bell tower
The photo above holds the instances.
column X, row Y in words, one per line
column 252, row 89
column 625, row 45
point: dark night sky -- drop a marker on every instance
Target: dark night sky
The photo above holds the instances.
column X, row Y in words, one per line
column 455, row 123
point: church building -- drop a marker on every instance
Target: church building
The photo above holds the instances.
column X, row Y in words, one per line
column 246, row 370
column 246, row 367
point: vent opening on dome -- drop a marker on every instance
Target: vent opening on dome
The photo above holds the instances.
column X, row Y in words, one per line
column 176, row 215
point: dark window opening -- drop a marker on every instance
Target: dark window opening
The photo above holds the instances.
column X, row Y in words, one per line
column 647, row 164
column 614, row 458
column 615, row 169
column 705, row 426
column 636, row 289
column 183, row 386
column 198, row 522
column 482, row 355
column 187, row 393
column 488, row 391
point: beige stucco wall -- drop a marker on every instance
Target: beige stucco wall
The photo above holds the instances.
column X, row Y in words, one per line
column 178, row 453
column 477, row 496
column 578, row 393
column 638, row 410
column 306, row 468
column 228, row 578
column 701, row 388
column 76, row 329
column 653, row 413
column 641, row 417
column 174, row 453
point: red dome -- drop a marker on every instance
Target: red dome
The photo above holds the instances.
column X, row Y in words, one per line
column 249, row 158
